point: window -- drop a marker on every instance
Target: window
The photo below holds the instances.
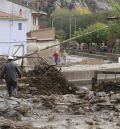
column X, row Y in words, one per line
column 19, row 26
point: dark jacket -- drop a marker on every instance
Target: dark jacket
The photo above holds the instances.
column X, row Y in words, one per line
column 10, row 71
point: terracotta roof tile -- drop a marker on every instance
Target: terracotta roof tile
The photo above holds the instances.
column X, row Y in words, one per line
column 8, row 16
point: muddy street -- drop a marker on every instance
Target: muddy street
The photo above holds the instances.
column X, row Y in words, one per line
column 46, row 100
column 61, row 112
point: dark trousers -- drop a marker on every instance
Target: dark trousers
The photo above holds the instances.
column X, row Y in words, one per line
column 12, row 88
column 56, row 61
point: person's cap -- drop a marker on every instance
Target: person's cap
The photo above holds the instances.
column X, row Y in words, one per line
column 10, row 58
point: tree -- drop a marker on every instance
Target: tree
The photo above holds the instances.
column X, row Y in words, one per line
column 115, row 28
column 60, row 12
column 60, row 34
column 97, row 37
column 100, row 36
column 114, row 34
column 115, row 7
column 79, row 10
column 83, row 38
column 77, row 21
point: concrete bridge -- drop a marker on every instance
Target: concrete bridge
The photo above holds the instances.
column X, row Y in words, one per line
column 82, row 74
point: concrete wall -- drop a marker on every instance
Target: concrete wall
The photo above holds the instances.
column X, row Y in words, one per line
column 10, row 36
column 9, row 31
column 46, row 54
column 83, row 77
column 14, row 9
column 48, row 33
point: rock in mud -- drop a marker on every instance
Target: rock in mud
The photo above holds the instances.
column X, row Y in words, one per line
column 23, row 109
column 117, row 108
column 89, row 122
column 9, row 124
column 13, row 115
column 105, row 106
column 61, row 108
column 118, row 123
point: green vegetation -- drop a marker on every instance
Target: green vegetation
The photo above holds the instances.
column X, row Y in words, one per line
column 60, row 34
column 82, row 24
column 97, row 37
column 79, row 10
column 115, row 7
column 77, row 21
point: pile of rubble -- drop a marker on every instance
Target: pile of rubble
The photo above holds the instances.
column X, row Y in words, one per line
column 2, row 61
column 107, row 86
column 47, row 80
column 9, row 124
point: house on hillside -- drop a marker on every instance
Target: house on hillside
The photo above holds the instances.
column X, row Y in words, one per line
column 12, row 35
column 33, row 16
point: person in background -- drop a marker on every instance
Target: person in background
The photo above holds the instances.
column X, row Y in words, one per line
column 56, row 57
column 64, row 56
column 9, row 72
column 61, row 51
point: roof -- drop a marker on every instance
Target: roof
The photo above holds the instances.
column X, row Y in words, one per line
column 7, row 16
column 39, row 13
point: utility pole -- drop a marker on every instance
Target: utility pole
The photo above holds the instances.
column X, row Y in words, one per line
column 71, row 7
column 75, row 23
column 70, row 27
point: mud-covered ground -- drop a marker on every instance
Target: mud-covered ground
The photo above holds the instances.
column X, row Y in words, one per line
column 85, row 110
column 48, row 101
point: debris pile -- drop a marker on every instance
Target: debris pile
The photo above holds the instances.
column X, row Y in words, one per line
column 47, row 80
column 107, row 86
column 9, row 124
column 2, row 61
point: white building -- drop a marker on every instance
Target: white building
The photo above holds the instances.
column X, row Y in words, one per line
column 12, row 35
column 31, row 15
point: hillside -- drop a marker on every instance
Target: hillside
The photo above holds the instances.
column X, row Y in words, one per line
column 50, row 5
column 93, row 5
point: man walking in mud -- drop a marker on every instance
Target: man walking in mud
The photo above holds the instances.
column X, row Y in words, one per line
column 9, row 72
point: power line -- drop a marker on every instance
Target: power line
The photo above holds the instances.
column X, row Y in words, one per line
column 65, row 41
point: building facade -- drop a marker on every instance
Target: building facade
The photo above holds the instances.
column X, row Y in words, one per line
column 12, row 35
column 31, row 15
